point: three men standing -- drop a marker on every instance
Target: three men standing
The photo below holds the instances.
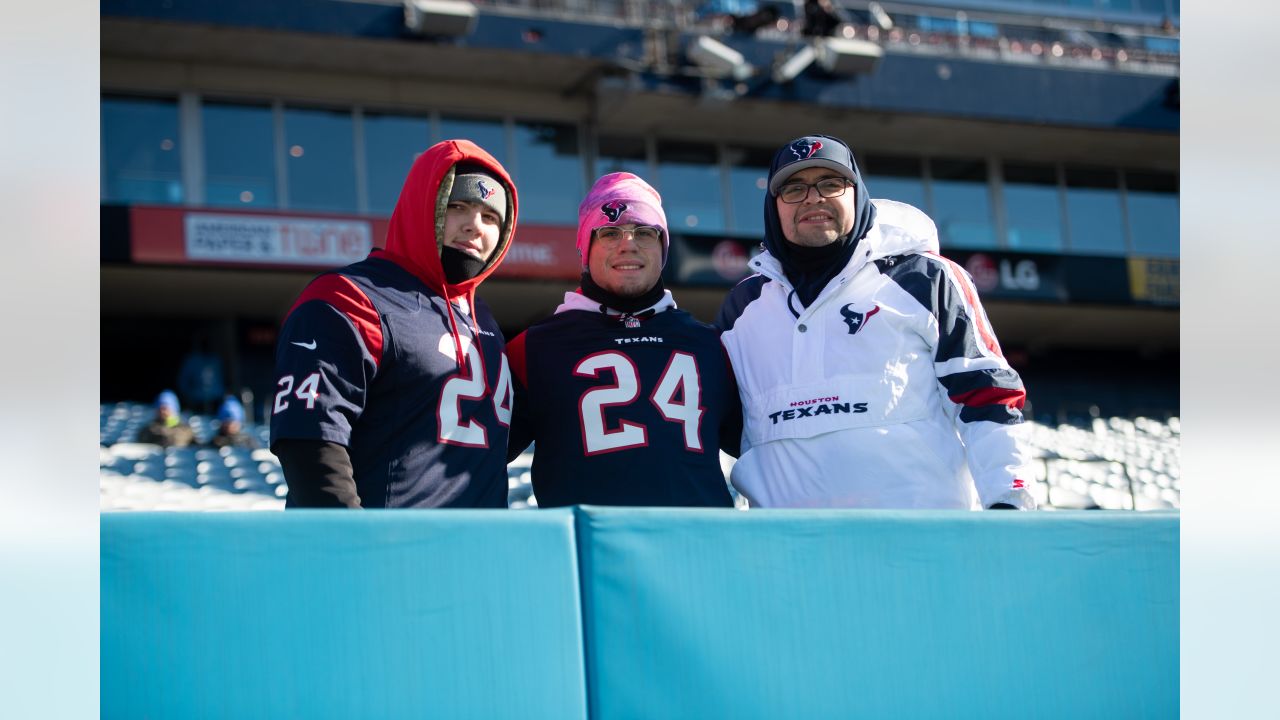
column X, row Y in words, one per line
column 867, row 374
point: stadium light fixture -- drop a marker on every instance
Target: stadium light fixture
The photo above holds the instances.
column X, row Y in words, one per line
column 794, row 65
column 440, row 18
column 717, row 59
column 846, row 56
column 880, row 16
column 838, row 56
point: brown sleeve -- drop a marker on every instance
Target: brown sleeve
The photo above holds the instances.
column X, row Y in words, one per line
column 319, row 474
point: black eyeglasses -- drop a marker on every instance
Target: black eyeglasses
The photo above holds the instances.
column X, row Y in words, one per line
column 793, row 193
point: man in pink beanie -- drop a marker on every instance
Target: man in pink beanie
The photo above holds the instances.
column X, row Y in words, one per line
column 627, row 398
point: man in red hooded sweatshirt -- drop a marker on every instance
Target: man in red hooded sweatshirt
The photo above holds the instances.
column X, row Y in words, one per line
column 393, row 386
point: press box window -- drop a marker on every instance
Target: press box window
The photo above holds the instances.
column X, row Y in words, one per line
column 141, row 157
column 1093, row 211
column 239, row 157
column 961, row 203
column 320, row 157
column 1152, row 202
column 1033, row 208
column 689, row 181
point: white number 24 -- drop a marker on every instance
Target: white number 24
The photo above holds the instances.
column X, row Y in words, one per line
column 308, row 390
column 677, row 397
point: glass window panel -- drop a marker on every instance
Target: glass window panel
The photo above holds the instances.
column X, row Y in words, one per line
column 1093, row 212
column 962, row 204
column 391, row 144
column 550, row 172
column 749, row 185
column 622, row 154
column 141, row 159
column 488, row 134
column 1033, row 209
column 895, row 178
column 1153, row 213
column 239, row 161
column 689, row 180
column 320, row 156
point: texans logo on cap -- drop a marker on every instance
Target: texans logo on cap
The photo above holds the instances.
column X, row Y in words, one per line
column 486, row 192
column 854, row 319
column 613, row 209
column 804, row 149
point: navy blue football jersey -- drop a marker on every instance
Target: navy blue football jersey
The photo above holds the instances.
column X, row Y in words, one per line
column 366, row 359
column 623, row 413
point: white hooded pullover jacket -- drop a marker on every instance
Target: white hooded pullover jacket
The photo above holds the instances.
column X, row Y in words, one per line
column 888, row 391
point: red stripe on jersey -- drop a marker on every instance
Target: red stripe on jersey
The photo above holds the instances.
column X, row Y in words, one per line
column 992, row 396
column 350, row 300
column 971, row 300
column 516, row 359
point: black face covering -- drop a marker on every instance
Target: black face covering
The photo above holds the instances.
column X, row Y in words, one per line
column 617, row 302
column 810, row 268
column 459, row 266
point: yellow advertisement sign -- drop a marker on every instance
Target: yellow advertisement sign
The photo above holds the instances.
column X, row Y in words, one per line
column 1154, row 280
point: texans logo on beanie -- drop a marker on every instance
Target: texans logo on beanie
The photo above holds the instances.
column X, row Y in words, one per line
column 619, row 198
column 613, row 209
column 478, row 185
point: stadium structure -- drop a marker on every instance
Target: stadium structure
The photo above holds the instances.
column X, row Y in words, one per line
column 247, row 146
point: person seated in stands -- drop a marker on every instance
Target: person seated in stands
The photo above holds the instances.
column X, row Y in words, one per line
column 231, row 427
column 821, row 18
column 167, row 428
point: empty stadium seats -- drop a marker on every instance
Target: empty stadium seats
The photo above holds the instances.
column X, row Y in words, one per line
column 1114, row 464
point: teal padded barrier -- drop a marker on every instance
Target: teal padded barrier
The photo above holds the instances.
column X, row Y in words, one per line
column 330, row 614
column 864, row 614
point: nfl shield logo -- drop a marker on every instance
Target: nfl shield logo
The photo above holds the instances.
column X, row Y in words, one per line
column 631, row 322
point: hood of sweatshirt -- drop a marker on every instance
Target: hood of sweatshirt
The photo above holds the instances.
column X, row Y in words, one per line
column 415, row 235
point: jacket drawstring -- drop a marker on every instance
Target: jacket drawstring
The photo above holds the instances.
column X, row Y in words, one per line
column 453, row 326
column 453, row 330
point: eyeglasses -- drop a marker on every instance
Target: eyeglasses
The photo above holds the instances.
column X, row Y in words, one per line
column 641, row 233
column 793, row 193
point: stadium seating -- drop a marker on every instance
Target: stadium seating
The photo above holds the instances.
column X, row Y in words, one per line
column 1114, row 464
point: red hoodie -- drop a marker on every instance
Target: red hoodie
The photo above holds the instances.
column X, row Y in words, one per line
column 419, row 219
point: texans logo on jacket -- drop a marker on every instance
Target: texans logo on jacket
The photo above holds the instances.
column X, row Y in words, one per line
column 613, row 209
column 854, row 319
column 804, row 149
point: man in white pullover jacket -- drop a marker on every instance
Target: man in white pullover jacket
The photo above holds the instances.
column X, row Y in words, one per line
column 869, row 374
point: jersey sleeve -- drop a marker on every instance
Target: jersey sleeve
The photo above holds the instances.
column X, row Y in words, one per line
column 327, row 356
column 731, row 424
column 521, row 431
column 983, row 395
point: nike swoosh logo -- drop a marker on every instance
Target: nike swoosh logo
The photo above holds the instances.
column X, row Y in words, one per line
column 310, row 346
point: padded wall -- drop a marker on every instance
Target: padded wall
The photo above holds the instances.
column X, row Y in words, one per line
column 315, row 614
column 821, row 614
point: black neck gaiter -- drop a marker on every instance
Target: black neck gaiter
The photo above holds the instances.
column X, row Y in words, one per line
column 810, row 268
column 617, row 302
column 459, row 266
